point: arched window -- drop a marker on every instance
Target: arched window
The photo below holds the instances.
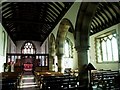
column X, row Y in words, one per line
column 4, row 42
column 68, row 54
column 28, row 48
column 107, row 47
column 68, row 46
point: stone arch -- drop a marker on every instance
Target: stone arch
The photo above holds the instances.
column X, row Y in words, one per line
column 52, row 45
column 83, row 23
column 52, row 51
column 64, row 27
column 82, row 29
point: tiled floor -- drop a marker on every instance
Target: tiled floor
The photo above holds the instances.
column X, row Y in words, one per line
column 28, row 83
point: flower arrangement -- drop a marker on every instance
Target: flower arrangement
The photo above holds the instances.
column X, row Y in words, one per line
column 6, row 67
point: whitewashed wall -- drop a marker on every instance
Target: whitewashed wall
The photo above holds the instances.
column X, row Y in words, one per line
column 6, row 46
column 71, row 15
column 45, row 46
column 19, row 44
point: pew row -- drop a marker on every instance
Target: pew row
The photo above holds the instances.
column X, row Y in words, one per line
column 106, row 80
column 10, row 80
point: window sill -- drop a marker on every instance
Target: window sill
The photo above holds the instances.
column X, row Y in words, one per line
column 108, row 62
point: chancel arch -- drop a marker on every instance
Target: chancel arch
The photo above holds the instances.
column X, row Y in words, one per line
column 52, row 51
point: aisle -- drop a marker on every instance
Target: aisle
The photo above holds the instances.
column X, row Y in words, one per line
column 28, row 82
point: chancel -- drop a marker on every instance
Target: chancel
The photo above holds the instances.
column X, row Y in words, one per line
column 59, row 45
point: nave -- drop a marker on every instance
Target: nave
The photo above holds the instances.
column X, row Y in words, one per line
column 50, row 80
column 49, row 37
column 28, row 82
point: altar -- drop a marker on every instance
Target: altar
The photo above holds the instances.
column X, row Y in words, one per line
column 28, row 66
column 28, row 62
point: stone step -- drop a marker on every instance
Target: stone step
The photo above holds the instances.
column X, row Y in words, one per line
column 28, row 82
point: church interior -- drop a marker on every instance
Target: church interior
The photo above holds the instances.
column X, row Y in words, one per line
column 59, row 45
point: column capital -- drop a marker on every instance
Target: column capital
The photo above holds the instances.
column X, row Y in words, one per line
column 59, row 55
column 79, row 48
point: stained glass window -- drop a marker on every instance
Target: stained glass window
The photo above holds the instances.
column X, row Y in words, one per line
column 28, row 48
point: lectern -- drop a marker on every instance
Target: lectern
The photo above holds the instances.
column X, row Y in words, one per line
column 89, row 68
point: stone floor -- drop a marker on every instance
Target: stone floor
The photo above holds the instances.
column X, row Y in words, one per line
column 28, row 82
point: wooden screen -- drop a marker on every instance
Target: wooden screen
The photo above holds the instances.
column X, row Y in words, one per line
column 38, row 60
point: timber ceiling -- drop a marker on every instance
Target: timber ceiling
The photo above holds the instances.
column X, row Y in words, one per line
column 36, row 20
column 32, row 20
column 107, row 15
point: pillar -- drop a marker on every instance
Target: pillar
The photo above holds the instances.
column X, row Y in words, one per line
column 82, row 32
column 51, row 62
column 59, row 62
column 82, row 65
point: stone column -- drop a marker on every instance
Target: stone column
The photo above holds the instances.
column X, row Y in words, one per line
column 82, row 32
column 82, row 65
column 82, row 58
column 60, row 62
column 82, row 46
column 50, row 62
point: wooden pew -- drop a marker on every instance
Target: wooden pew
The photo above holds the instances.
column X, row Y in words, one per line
column 104, row 79
column 10, row 80
column 60, row 83
column 39, row 74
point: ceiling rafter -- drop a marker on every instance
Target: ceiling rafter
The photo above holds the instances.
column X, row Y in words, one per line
column 54, row 5
column 94, row 22
column 5, row 4
column 26, row 21
column 38, row 19
column 113, row 8
column 57, row 12
column 99, row 25
column 98, row 15
column 58, row 3
column 117, row 5
column 107, row 14
column 108, row 9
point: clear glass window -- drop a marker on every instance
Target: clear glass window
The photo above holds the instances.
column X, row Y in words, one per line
column 68, row 54
column 68, row 48
column 107, row 47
